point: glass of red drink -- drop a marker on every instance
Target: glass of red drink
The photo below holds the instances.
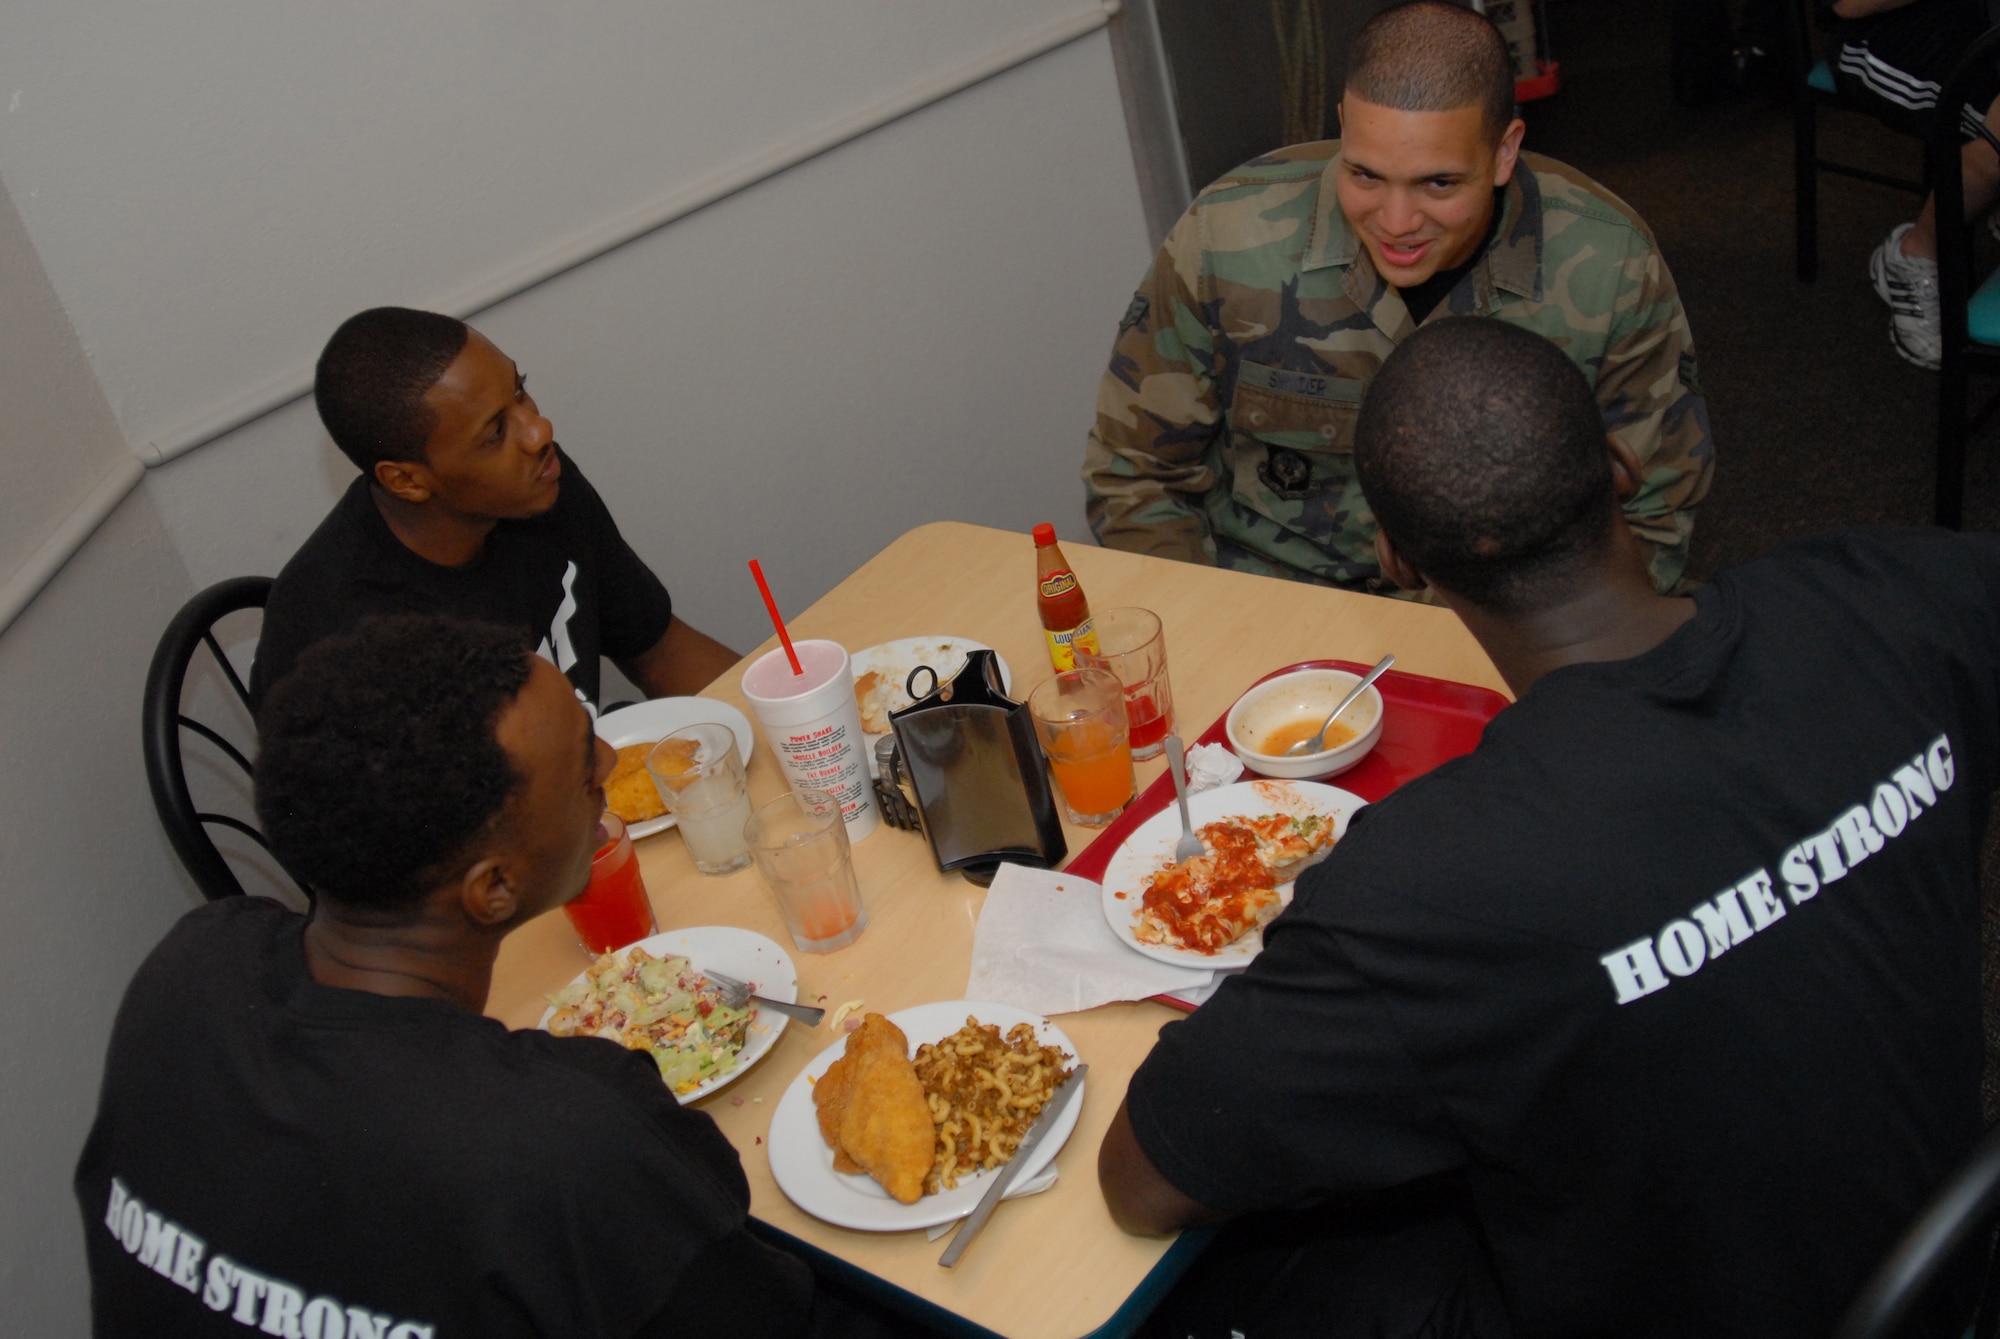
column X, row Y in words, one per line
column 1132, row 644
column 613, row 910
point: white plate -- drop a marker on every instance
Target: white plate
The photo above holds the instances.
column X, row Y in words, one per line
column 802, row 1164
column 1150, row 849
column 894, row 661
column 650, row 721
column 745, row 955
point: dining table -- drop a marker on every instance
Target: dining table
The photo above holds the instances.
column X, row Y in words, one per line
column 1054, row 1263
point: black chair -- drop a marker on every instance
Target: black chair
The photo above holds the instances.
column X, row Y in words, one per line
column 1968, row 317
column 192, row 628
column 1959, row 1216
column 1814, row 87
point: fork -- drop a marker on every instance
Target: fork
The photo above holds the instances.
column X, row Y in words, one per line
column 736, row 994
column 1189, row 845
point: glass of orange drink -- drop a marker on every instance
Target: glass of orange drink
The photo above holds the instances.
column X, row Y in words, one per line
column 1080, row 720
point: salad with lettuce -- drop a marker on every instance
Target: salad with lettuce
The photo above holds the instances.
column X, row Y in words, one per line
column 659, row 1005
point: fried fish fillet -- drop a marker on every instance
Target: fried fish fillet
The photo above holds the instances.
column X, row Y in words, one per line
column 884, row 1122
column 830, row 1097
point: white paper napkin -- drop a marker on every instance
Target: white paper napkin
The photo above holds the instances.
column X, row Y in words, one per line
column 1042, row 945
column 1211, row 765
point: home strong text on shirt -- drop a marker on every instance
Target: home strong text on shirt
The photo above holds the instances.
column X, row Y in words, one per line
column 1752, row 904
column 268, row 1305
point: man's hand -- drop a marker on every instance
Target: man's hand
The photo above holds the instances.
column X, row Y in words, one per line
column 682, row 662
column 1140, row 1199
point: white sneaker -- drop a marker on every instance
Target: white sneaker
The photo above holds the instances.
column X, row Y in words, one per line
column 1909, row 285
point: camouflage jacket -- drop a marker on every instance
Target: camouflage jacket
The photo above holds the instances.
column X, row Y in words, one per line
column 1225, row 423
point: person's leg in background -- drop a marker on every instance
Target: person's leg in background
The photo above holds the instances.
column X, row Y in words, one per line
column 1701, row 45
column 1714, row 58
column 1904, row 267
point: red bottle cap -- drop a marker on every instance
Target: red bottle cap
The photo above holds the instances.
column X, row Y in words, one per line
column 1045, row 534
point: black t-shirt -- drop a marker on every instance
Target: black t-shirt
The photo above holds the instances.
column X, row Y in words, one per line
column 271, row 1154
column 566, row 577
column 1680, row 968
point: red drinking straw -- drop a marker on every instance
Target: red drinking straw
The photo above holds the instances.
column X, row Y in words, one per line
column 771, row 607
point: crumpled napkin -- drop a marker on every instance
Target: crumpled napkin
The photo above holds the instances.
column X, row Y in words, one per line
column 1042, row 945
column 1034, row 1185
column 1211, row 765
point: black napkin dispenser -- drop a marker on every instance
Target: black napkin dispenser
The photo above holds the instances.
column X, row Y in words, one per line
column 968, row 756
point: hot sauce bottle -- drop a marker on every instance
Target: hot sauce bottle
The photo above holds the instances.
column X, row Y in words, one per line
column 1059, row 600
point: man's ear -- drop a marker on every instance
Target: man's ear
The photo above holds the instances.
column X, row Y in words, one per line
column 406, row 479
column 1626, row 473
column 485, row 894
column 1508, row 152
column 1393, row 565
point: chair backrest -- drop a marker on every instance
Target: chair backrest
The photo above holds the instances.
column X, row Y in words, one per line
column 163, row 721
column 1941, row 166
column 1961, row 1212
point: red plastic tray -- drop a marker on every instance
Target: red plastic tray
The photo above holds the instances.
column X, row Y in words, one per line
column 1425, row 722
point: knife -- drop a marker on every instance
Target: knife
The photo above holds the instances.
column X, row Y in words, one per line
column 969, row 1227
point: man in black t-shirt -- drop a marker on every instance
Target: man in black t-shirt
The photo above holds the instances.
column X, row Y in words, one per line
column 307, row 1127
column 1671, row 988
column 466, row 505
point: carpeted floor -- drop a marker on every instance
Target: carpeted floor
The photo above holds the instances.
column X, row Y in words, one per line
column 1817, row 423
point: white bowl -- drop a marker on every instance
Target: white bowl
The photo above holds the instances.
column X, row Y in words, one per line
column 1290, row 699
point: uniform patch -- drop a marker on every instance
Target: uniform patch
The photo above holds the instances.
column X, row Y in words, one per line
column 1690, row 374
column 1311, row 385
column 1287, row 474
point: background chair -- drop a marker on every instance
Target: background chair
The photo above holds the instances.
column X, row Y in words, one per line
column 1969, row 318
column 1958, row 1216
column 1813, row 87
column 163, row 720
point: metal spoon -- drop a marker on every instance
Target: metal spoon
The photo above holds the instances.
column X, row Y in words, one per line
column 1318, row 742
column 1189, row 845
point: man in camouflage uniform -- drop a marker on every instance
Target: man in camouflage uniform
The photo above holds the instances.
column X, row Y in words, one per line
column 1225, row 421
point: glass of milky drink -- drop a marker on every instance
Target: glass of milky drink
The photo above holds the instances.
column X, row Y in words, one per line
column 700, row 777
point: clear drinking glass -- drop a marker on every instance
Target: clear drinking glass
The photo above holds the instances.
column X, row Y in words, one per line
column 1132, row 644
column 700, row 777
column 613, row 910
column 1080, row 719
column 801, row 847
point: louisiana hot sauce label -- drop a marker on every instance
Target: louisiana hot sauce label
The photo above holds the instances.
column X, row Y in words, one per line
column 1064, row 645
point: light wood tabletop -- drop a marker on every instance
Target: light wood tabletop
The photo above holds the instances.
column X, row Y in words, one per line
column 1052, row 1264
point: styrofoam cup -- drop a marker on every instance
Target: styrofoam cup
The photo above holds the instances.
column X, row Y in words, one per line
column 814, row 727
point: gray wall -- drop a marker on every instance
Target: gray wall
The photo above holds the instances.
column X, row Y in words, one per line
column 1227, row 87
column 87, row 884
column 901, row 324
column 909, row 328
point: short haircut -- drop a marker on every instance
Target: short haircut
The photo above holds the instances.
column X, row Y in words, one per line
column 371, row 378
column 1433, row 56
column 1482, row 452
column 377, row 763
